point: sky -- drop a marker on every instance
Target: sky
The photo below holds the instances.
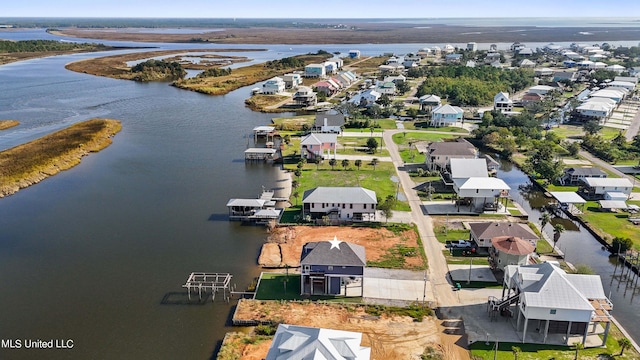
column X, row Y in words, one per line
column 318, row 9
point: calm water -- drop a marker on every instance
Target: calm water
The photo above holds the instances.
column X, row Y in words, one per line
column 97, row 254
column 580, row 247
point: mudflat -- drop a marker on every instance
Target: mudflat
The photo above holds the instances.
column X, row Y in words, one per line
column 6, row 124
column 30, row 163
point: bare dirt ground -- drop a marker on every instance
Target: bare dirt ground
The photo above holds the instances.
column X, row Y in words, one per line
column 390, row 337
column 362, row 33
column 284, row 244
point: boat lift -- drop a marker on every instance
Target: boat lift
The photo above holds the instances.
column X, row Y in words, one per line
column 213, row 282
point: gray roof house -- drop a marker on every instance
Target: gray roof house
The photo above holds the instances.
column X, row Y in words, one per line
column 574, row 175
column 563, row 308
column 340, row 203
column 440, row 153
column 329, row 121
column 483, row 232
column 292, row 342
column 332, row 268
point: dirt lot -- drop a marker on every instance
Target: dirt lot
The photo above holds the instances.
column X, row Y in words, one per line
column 390, row 337
column 284, row 244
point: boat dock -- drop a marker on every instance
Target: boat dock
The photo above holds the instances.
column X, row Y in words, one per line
column 209, row 282
column 260, row 154
column 260, row 211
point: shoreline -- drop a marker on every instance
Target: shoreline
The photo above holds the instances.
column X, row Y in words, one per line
column 8, row 124
column 374, row 33
column 28, row 164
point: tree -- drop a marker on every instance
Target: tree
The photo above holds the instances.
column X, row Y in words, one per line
column 297, row 173
column 412, row 113
column 515, row 350
column 386, row 206
column 578, row 346
column 317, row 161
column 358, row 163
column 384, row 100
column 592, row 127
column 624, row 343
column 345, row 163
column 621, row 245
column 544, row 220
column 333, row 163
column 557, row 230
column 372, row 144
column 573, row 148
column 295, row 184
column 296, row 195
column 374, row 162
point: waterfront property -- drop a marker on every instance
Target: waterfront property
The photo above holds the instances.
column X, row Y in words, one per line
column 305, row 96
column 330, row 121
column 562, row 308
column 314, row 145
column 330, row 267
column 575, row 175
column 273, row 86
column 440, row 153
column 301, row 342
column 509, row 250
column 340, row 203
column 482, row 193
column 596, row 188
column 483, row 232
column 254, row 210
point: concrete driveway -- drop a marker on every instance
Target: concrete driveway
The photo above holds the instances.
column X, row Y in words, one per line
column 395, row 287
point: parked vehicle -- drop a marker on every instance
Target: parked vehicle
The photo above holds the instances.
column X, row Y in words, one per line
column 460, row 244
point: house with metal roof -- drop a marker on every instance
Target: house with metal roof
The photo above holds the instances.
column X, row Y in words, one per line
column 340, row 203
column 574, row 175
column 330, row 267
column 481, row 192
column 596, row 188
column 292, row 342
column 446, row 115
column 305, row 96
column 318, row 145
column 430, row 101
column 315, row 70
column 274, row 85
column 483, row 232
column 562, row 308
column 329, row 122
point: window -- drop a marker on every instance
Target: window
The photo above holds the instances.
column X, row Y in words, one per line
column 343, row 206
column 350, row 206
column 364, row 206
column 552, row 311
column 313, row 205
column 307, row 268
column 330, row 267
column 477, row 191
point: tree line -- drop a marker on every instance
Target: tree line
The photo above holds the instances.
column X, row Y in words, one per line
column 44, row 45
column 158, row 70
column 468, row 86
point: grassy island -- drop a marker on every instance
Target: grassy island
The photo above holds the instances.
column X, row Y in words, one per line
column 30, row 163
column 6, row 124
column 220, row 85
column 116, row 66
column 11, row 51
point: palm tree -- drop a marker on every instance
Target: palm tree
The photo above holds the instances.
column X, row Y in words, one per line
column 578, row 346
column 358, row 163
column 515, row 350
column 624, row 343
column 557, row 230
column 333, row 163
column 317, row 162
column 374, row 162
column 544, row 220
column 296, row 195
column 344, row 163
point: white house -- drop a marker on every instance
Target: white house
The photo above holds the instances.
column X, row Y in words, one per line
column 597, row 187
column 386, row 87
column 365, row 98
column 292, row 80
column 340, row 203
column 481, row 190
column 446, row 115
column 502, row 103
column 472, row 46
column 541, row 89
column 273, row 86
column 314, row 146
column 301, row 342
column 462, row 168
column 622, row 84
column 615, row 94
column 354, row 54
column 595, row 109
column 563, row 308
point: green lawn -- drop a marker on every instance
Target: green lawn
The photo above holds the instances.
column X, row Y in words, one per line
column 403, row 138
column 412, row 156
column 612, row 224
column 272, row 287
column 552, row 187
column 378, row 180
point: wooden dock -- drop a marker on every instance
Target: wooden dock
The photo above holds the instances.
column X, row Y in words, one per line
column 260, row 154
column 209, row 282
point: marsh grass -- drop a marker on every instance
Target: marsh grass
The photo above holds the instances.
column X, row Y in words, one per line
column 34, row 161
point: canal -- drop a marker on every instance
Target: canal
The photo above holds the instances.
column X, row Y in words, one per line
column 579, row 247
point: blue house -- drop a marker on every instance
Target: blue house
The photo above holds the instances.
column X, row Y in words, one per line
column 332, row 268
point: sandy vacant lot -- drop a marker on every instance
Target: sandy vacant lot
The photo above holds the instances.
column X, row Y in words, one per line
column 390, row 337
column 284, row 244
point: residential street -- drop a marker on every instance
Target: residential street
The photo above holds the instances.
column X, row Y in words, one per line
column 605, row 165
column 437, row 272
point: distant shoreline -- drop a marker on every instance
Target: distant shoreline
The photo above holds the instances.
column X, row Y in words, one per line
column 374, row 33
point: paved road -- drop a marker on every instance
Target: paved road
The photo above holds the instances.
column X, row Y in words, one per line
column 606, row 165
column 437, row 272
column 633, row 127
